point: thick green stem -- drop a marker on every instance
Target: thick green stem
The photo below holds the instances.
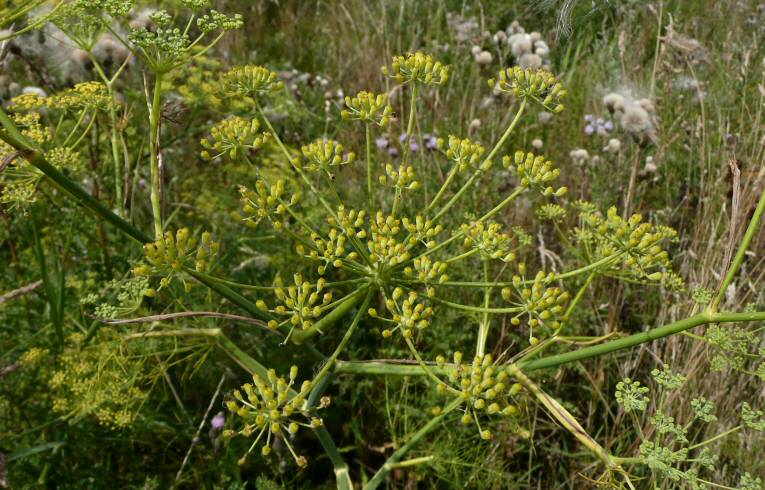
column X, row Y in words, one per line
column 378, row 477
column 641, row 338
column 332, row 317
column 754, row 223
column 154, row 156
column 329, row 363
column 382, row 368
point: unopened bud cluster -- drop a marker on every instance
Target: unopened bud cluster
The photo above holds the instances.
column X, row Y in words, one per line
column 368, row 108
column 635, row 245
column 265, row 202
column 463, row 152
column 384, row 247
column 323, row 154
column 417, row 67
column 401, row 177
column 535, row 171
column 488, row 239
column 175, row 252
column 427, row 271
column 330, row 250
column 422, row 230
column 302, row 302
column 252, row 81
column 232, row 136
column 270, row 408
column 541, row 303
column 408, row 313
column 538, row 84
column 482, row 386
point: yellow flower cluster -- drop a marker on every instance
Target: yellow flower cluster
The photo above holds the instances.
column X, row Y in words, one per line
column 481, row 386
column 98, row 379
column 368, row 108
column 265, row 202
column 252, row 81
column 272, row 408
column 464, row 153
column 538, row 84
column 535, row 171
column 538, row 300
column 417, row 67
column 488, row 239
column 233, row 136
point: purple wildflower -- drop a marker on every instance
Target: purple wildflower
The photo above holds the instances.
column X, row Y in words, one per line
column 218, row 421
column 413, row 146
column 402, row 138
column 431, row 141
column 393, row 151
column 589, row 129
column 382, row 142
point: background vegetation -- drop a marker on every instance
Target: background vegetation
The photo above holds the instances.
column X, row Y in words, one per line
column 700, row 171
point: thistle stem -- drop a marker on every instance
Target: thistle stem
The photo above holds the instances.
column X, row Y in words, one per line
column 754, row 224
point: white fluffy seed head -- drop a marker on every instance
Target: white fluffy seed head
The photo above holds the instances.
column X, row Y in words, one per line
column 635, row 119
column 530, row 60
column 484, row 58
column 614, row 102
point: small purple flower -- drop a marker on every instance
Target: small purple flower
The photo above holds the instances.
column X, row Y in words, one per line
column 402, row 138
column 413, row 146
column 589, row 130
column 218, row 421
column 392, row 151
column 382, row 142
column 431, row 141
column 608, row 126
column 588, row 118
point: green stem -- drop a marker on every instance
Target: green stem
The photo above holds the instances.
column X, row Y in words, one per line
column 410, row 125
column 329, row 363
column 381, row 368
column 718, row 436
column 444, row 186
column 754, row 223
column 640, row 338
column 378, row 477
column 301, row 336
column 154, row 149
column 483, row 329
